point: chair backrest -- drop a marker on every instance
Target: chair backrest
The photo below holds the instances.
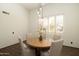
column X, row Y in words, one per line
column 49, row 35
column 56, row 36
column 36, row 35
column 56, row 47
column 44, row 36
column 29, row 36
column 25, row 50
column 23, row 46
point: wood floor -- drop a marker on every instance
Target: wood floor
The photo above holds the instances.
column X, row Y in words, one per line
column 69, row 51
column 15, row 50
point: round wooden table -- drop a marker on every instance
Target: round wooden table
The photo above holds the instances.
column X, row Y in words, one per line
column 39, row 45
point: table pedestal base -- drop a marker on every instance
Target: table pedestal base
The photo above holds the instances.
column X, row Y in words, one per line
column 37, row 52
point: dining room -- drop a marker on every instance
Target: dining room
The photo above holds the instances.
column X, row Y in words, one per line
column 39, row 29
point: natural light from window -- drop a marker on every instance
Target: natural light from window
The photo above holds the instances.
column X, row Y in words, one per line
column 52, row 24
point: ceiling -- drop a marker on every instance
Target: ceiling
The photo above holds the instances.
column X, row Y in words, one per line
column 32, row 5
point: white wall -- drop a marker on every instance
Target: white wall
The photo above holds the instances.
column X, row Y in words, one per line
column 16, row 22
column 71, row 19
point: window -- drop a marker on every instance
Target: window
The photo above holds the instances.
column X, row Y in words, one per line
column 52, row 24
column 59, row 23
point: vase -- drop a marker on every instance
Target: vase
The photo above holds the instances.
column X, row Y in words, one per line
column 40, row 38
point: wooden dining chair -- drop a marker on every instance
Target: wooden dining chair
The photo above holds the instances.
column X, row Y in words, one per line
column 25, row 50
column 55, row 48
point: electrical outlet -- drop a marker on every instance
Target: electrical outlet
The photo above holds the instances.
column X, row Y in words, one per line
column 71, row 42
column 12, row 32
